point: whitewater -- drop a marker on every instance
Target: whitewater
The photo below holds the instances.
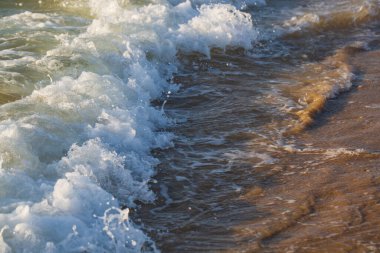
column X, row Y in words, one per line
column 76, row 143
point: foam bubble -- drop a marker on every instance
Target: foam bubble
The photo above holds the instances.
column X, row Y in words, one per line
column 217, row 26
column 76, row 150
column 31, row 20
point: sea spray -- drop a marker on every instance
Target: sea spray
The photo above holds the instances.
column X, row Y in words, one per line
column 78, row 148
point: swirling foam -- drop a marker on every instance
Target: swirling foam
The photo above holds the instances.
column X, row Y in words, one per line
column 76, row 150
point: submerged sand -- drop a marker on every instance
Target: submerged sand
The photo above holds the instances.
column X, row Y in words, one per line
column 318, row 192
column 326, row 195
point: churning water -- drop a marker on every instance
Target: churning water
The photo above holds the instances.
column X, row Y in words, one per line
column 189, row 126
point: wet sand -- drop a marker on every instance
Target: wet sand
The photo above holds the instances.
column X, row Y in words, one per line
column 330, row 203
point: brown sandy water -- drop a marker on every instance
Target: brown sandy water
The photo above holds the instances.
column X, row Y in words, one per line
column 338, row 193
column 242, row 191
column 332, row 178
column 276, row 154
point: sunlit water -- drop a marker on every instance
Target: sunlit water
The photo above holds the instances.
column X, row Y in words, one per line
column 178, row 126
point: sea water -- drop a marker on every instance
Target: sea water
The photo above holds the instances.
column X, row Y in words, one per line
column 148, row 126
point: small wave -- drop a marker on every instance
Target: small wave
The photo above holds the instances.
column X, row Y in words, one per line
column 314, row 22
column 79, row 6
column 322, row 81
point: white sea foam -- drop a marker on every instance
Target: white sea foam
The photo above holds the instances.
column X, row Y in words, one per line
column 79, row 5
column 216, row 26
column 299, row 23
column 237, row 3
column 31, row 20
column 74, row 151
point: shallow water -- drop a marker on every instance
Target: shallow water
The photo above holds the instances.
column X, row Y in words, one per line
column 203, row 126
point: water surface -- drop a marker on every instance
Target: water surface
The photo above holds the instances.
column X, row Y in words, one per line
column 178, row 126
